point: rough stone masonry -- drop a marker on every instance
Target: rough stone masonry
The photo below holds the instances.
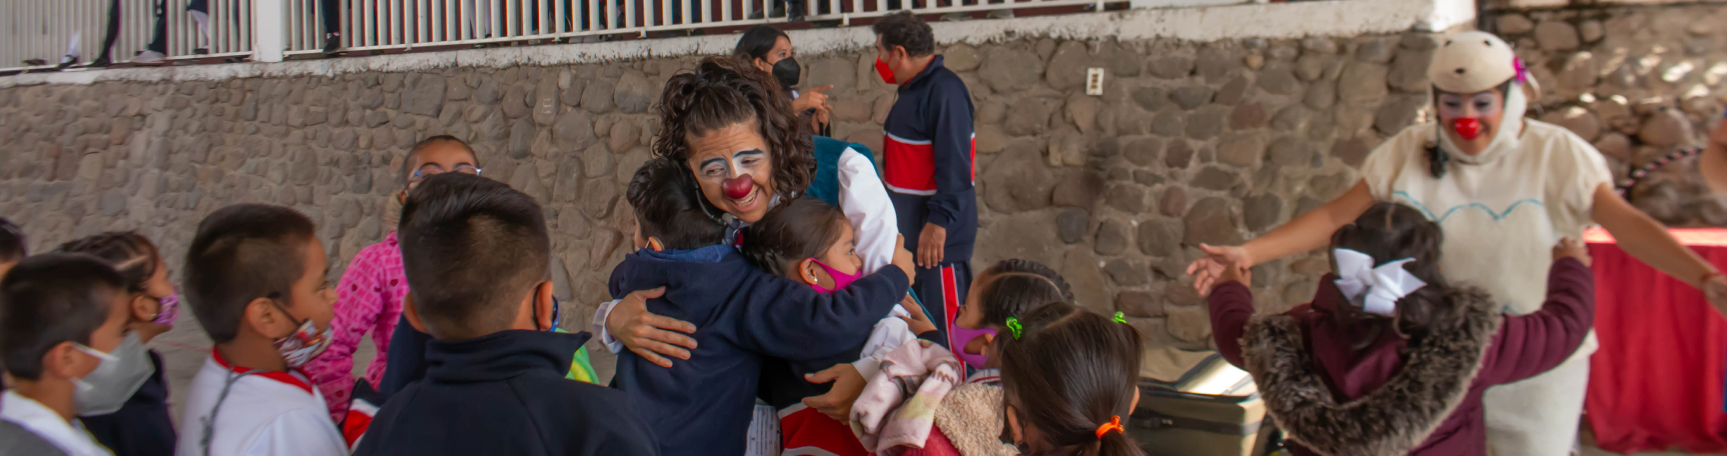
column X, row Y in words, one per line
column 1191, row 143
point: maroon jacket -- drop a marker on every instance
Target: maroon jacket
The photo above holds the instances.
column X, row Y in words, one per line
column 1381, row 400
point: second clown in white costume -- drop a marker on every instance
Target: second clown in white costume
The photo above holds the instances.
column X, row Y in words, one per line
column 1504, row 189
column 1502, row 210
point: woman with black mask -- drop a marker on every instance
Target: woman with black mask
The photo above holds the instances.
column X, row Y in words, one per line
column 771, row 51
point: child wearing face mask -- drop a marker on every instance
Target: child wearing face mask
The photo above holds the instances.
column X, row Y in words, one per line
column 61, row 315
column 128, row 410
column 742, row 314
column 811, row 242
column 256, row 278
column 967, row 420
column 1069, row 382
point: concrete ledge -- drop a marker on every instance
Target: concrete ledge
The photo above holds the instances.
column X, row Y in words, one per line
column 1292, row 20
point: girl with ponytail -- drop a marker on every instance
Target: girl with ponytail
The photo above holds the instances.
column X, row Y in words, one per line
column 1070, row 382
column 1390, row 358
column 128, row 409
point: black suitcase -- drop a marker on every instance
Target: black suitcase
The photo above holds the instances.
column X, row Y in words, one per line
column 1197, row 404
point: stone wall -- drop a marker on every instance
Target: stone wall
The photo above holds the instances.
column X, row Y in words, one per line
column 1191, row 143
column 1638, row 81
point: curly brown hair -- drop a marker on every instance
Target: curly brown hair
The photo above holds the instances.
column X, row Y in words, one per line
column 726, row 91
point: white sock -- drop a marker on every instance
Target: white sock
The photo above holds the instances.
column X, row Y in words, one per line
column 72, row 49
column 203, row 20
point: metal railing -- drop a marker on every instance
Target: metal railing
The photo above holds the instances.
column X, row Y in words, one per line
column 39, row 34
column 39, row 31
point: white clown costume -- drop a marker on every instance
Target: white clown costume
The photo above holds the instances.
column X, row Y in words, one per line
column 1502, row 211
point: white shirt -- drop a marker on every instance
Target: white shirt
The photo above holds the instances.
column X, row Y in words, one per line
column 1501, row 211
column 68, row 436
column 265, row 414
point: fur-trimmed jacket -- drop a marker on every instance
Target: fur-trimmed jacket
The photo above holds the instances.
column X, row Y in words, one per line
column 1395, row 396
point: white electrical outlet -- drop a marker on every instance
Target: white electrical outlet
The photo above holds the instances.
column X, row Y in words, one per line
column 1094, row 82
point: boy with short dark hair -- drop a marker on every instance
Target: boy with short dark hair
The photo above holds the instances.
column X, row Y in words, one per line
column 372, row 287
column 256, row 279
column 60, row 315
column 475, row 253
column 703, row 406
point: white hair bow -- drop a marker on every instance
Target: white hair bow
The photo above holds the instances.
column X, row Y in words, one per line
column 1375, row 289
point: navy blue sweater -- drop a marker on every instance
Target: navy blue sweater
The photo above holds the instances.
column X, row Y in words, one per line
column 928, row 159
column 141, row 427
column 742, row 314
column 506, row 394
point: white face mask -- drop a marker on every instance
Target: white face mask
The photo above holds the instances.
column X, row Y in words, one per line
column 114, row 381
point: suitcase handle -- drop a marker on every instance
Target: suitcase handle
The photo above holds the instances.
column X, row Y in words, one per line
column 1150, row 420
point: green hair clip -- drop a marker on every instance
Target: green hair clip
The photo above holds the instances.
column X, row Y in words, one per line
column 1119, row 318
column 1013, row 324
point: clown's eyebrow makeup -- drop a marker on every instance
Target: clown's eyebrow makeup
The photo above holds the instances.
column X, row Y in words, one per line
column 735, row 156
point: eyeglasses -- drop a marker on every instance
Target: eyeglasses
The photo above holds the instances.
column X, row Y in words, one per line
column 432, row 169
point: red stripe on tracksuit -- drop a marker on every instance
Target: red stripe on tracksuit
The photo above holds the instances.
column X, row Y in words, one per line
column 950, row 303
column 909, row 166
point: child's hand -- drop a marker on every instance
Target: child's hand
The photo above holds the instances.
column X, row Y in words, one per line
column 918, row 321
column 1236, row 272
column 1571, row 248
column 904, row 259
column 837, row 403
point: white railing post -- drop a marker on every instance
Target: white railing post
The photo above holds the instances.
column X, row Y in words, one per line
column 269, row 30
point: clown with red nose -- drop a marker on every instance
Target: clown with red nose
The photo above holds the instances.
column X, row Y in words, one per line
column 1503, row 189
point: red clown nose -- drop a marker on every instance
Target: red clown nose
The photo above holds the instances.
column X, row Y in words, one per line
column 738, row 187
column 1468, row 127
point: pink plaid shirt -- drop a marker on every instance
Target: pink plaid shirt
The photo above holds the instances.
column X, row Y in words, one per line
column 371, row 300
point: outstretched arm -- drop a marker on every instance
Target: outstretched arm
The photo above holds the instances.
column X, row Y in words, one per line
column 1306, row 232
column 1648, row 241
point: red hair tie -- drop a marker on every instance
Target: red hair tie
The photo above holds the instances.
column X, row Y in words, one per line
column 1114, row 424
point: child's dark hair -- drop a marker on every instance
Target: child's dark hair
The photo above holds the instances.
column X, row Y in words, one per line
column 802, row 228
column 1068, row 373
column 408, row 158
column 470, row 247
column 50, row 299
column 1031, row 267
column 1390, row 232
column 1014, row 294
column 668, row 207
column 127, row 251
column 12, row 246
column 241, row 253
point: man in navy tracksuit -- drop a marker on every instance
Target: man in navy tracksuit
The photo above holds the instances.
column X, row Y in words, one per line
column 927, row 163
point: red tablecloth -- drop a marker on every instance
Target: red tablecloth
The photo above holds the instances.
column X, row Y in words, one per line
column 1657, row 381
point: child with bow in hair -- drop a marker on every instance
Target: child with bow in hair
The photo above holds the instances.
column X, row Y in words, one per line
column 1390, row 358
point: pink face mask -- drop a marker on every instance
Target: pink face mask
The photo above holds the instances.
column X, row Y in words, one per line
column 169, row 310
column 962, row 337
column 841, row 279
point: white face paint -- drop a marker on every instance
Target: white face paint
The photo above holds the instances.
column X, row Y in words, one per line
column 727, row 154
column 1453, row 106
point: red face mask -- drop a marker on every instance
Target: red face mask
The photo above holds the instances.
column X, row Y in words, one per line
column 885, row 72
column 1468, row 127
